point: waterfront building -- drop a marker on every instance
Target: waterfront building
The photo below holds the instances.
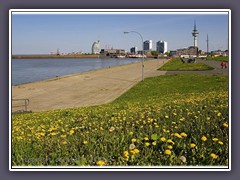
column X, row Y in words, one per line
column 147, row 45
column 96, row 47
column 161, row 47
column 134, row 50
column 112, row 52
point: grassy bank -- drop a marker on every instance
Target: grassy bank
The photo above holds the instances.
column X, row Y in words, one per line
column 166, row 120
column 219, row 58
column 178, row 65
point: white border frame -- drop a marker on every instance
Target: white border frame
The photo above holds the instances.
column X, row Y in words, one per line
column 118, row 11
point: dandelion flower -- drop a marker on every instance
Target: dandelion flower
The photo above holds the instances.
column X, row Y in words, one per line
column 177, row 135
column 208, row 118
column 168, row 152
column 183, row 158
column 134, row 140
column 135, row 151
column 111, row 129
column 166, row 117
column 100, row 163
column 219, row 114
column 203, row 138
column 192, row 145
column 170, row 141
column 183, row 134
column 154, row 143
column 132, row 146
column 71, row 132
column 64, row 142
column 85, row 142
column 214, row 156
column 63, row 136
column 131, row 133
column 163, row 139
column 125, row 153
column 215, row 139
column 220, row 142
column 147, row 144
column 170, row 147
column 225, row 124
column 146, row 139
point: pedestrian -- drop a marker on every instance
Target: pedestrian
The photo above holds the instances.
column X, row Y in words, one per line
column 222, row 64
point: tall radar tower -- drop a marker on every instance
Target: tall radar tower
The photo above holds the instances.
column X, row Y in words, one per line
column 195, row 34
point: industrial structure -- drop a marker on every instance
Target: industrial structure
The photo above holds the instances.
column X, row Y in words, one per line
column 195, row 34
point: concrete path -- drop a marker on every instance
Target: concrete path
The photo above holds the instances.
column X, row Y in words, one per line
column 85, row 89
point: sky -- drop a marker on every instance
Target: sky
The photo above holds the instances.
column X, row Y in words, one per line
column 45, row 33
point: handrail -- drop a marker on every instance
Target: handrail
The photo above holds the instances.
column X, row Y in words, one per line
column 26, row 103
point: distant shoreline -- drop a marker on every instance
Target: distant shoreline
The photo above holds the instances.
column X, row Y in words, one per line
column 56, row 56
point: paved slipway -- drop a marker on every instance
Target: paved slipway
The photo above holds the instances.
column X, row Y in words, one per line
column 94, row 87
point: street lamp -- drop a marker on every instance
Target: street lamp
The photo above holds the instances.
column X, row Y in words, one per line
column 142, row 49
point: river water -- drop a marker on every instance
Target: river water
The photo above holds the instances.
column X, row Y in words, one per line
column 31, row 70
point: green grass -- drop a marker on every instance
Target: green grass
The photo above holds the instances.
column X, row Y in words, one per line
column 161, row 121
column 177, row 65
column 220, row 58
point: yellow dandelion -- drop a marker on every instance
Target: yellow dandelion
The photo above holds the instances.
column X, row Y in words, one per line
column 219, row 114
column 163, row 139
column 215, row 139
column 64, row 142
column 170, row 141
column 177, row 135
column 170, row 147
column 147, row 144
column 204, row 138
column 134, row 140
column 125, row 153
column 168, row 152
column 220, row 142
column 192, row 145
column 225, row 124
column 208, row 118
column 63, row 136
column 166, row 117
column 85, row 142
column 100, row 163
column 146, row 139
column 135, row 151
column 131, row 133
column 183, row 134
column 214, row 156
column 53, row 134
column 112, row 129
column 71, row 132
column 154, row 143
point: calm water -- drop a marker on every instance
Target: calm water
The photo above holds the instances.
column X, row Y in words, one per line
column 30, row 70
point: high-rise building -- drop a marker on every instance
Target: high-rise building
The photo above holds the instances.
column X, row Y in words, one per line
column 96, row 47
column 147, row 45
column 134, row 50
column 161, row 47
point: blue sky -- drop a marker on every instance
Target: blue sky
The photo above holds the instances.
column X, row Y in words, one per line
column 42, row 34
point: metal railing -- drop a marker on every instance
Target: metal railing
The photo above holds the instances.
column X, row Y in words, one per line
column 20, row 103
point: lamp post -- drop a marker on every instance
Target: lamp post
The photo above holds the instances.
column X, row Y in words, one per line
column 142, row 49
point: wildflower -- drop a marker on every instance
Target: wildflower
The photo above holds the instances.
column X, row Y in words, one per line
column 71, row 132
column 135, row 151
column 182, row 119
column 111, row 129
column 131, row 133
column 166, row 117
column 147, row 144
column 125, row 153
column 220, row 142
column 163, row 139
column 146, row 139
column 85, row 142
column 208, row 118
column 132, row 146
column 170, row 141
column 134, row 140
column 53, row 134
column 100, row 163
column 177, row 135
column 63, row 136
column 183, row 134
column 64, row 142
column 183, row 158
column 215, row 139
column 204, row 138
column 154, row 143
column 168, row 152
column 170, row 147
column 219, row 114
column 214, row 156
column 192, row 145
column 225, row 124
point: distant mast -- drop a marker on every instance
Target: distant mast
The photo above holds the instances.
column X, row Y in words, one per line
column 195, row 34
column 207, row 46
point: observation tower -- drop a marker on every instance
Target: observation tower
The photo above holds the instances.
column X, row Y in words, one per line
column 195, row 34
